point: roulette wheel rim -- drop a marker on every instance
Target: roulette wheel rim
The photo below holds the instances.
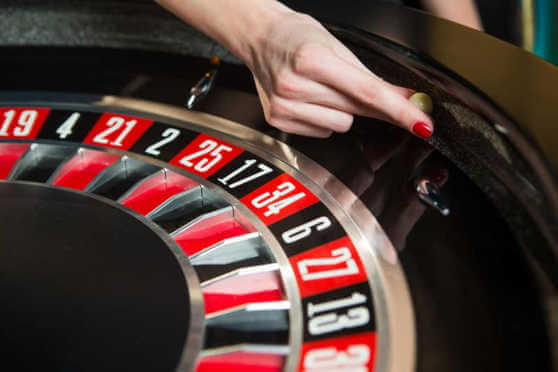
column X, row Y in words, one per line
column 384, row 276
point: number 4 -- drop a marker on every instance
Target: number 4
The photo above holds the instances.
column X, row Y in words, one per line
column 67, row 126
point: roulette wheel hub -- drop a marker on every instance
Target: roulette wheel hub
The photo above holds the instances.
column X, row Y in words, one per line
column 75, row 288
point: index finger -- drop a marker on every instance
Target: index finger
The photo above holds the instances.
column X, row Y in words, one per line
column 370, row 91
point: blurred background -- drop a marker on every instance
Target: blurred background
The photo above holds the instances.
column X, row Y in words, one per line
column 529, row 24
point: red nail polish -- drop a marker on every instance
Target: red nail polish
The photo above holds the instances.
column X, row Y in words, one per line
column 422, row 130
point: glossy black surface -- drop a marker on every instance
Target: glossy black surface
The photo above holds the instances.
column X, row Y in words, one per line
column 77, row 294
column 474, row 295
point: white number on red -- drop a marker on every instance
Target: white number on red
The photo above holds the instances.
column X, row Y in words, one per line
column 339, row 256
column 114, row 124
column 210, row 148
column 354, row 359
column 24, row 123
column 273, row 200
column 303, row 231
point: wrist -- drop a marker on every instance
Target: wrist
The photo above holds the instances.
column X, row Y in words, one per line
column 247, row 37
column 240, row 26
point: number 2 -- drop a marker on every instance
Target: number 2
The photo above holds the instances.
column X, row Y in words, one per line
column 168, row 135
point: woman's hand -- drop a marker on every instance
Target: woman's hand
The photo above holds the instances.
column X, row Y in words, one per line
column 309, row 83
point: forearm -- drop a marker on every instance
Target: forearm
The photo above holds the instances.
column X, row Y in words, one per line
column 235, row 24
column 462, row 11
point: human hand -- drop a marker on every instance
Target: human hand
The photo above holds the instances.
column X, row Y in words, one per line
column 309, row 83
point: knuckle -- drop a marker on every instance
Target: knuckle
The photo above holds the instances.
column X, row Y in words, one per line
column 306, row 58
column 370, row 95
column 286, row 85
column 277, row 108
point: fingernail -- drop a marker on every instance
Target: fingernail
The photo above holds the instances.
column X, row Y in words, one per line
column 422, row 130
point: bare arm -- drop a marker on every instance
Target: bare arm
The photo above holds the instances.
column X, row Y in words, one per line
column 235, row 24
column 460, row 11
column 309, row 83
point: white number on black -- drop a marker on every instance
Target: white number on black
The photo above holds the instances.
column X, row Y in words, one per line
column 263, row 170
column 355, row 299
column 331, row 321
column 303, row 231
column 168, row 135
column 67, row 126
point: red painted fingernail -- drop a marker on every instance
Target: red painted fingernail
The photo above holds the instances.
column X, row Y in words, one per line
column 422, row 130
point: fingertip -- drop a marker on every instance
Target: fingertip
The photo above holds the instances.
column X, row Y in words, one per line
column 325, row 134
column 422, row 129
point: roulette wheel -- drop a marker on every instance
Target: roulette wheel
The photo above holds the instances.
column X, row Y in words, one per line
column 151, row 220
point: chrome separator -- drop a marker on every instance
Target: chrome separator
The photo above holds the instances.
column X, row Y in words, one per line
column 62, row 164
column 246, row 271
column 250, row 348
column 223, row 213
column 264, row 316
column 230, row 250
column 126, row 168
column 41, row 156
column 135, row 187
column 177, row 202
